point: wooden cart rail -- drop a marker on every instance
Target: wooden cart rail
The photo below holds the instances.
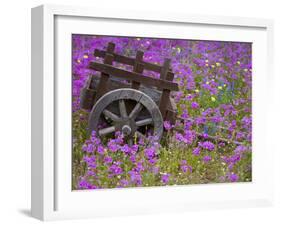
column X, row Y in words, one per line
column 134, row 76
column 164, row 84
column 129, row 61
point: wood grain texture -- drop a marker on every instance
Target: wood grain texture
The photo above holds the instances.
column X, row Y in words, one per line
column 129, row 61
column 138, row 68
column 108, row 59
column 133, row 76
column 165, row 94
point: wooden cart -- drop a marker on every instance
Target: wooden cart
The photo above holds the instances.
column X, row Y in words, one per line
column 128, row 101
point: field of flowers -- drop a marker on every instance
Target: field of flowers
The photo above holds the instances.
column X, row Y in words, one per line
column 210, row 144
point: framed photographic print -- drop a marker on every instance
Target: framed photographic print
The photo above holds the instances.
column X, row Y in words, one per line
column 143, row 113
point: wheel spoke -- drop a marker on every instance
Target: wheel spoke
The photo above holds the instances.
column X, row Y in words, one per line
column 106, row 130
column 144, row 122
column 111, row 115
column 135, row 111
column 122, row 108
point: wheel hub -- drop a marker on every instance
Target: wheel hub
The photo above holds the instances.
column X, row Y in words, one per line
column 126, row 130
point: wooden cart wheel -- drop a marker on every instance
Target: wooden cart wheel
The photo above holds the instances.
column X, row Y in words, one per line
column 129, row 111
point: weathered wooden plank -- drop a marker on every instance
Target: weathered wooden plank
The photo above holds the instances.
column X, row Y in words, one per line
column 108, row 59
column 87, row 94
column 138, row 68
column 165, row 68
column 117, row 84
column 133, row 76
column 129, row 61
column 171, row 110
column 165, row 94
column 87, row 98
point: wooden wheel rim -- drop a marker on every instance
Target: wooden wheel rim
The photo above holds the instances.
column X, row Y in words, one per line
column 126, row 94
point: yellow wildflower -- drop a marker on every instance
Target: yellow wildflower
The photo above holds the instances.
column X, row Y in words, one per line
column 213, row 99
column 238, row 62
column 219, row 87
column 196, row 91
column 218, row 64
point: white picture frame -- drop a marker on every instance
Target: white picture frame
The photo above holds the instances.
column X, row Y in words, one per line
column 52, row 197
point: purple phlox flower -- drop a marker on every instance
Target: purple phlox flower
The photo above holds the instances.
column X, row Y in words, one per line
column 249, row 137
column 94, row 139
column 135, row 177
column 141, row 141
column 207, row 112
column 185, row 167
column 112, row 145
column 194, row 105
column 189, row 136
column 216, row 119
column 189, row 97
column 205, row 135
column 233, row 177
column 240, row 135
column 132, row 158
column 234, row 76
column 108, row 159
column 139, row 167
column 88, row 148
column 152, row 161
column 208, row 87
column 94, row 134
column 155, row 170
column 101, row 150
column 240, row 149
column 84, row 184
column 190, row 85
column 233, row 126
column 150, row 152
column 91, row 173
column 196, row 151
column 246, row 122
column 178, row 96
column 207, row 159
column 115, row 169
column 88, row 159
column 184, row 115
column 200, row 120
column 134, row 148
column 167, row 125
column 165, row 178
column 231, row 160
column 179, row 137
column 207, row 145
column 119, row 137
column 124, row 183
column 187, row 125
column 126, row 149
